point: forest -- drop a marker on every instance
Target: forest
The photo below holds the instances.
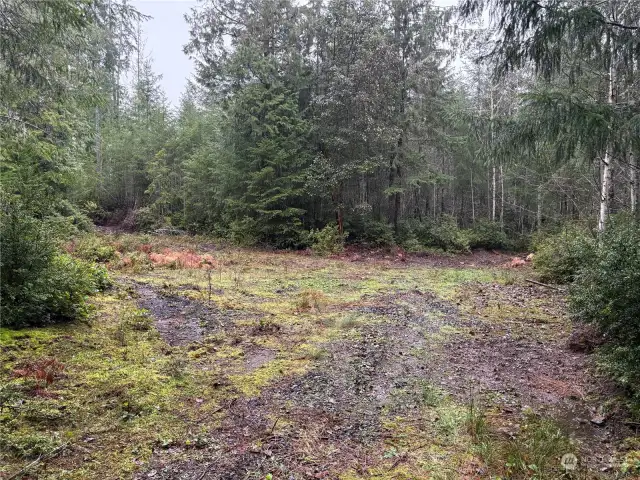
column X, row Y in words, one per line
column 375, row 239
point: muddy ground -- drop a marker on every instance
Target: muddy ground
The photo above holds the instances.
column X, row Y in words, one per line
column 349, row 409
column 205, row 362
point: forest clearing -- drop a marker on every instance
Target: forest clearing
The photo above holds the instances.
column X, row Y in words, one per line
column 319, row 239
column 237, row 363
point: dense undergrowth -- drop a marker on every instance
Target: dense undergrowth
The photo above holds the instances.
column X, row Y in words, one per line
column 38, row 283
column 604, row 276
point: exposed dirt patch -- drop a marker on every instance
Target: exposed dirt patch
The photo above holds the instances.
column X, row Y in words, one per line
column 180, row 320
column 494, row 346
column 257, row 357
column 177, row 319
column 515, row 361
column 330, row 419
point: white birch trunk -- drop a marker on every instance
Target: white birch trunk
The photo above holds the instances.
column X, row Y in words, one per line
column 604, row 191
column 501, row 197
column 493, row 172
column 633, row 183
column 606, row 162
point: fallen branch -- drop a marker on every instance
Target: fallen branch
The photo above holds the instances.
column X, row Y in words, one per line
column 38, row 460
column 542, row 284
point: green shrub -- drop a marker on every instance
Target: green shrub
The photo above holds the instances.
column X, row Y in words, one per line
column 327, row 241
column 369, row 232
column 606, row 292
column 376, row 234
column 37, row 284
column 487, row 234
column 244, row 232
column 559, row 257
column 144, row 219
column 411, row 244
column 443, row 233
column 68, row 212
column 91, row 248
column 446, row 235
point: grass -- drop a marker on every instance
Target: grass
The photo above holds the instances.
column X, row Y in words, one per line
column 114, row 390
column 124, row 392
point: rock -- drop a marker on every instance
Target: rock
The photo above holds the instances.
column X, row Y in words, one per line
column 599, row 419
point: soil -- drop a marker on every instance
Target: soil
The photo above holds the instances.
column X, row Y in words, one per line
column 331, row 419
column 182, row 321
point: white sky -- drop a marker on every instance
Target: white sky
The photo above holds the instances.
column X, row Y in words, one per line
column 167, row 32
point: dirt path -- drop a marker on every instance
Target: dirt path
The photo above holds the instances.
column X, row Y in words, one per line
column 339, row 415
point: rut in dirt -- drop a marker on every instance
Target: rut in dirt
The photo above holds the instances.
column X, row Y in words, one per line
column 182, row 321
column 329, row 419
column 333, row 412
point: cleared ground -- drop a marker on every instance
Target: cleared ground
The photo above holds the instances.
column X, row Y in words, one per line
column 212, row 363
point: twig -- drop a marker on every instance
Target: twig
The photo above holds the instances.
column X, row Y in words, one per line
column 204, row 472
column 219, row 409
column 274, row 425
column 542, row 284
column 41, row 458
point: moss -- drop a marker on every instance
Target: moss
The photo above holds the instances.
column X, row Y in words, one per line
column 227, row 351
column 193, row 354
column 115, row 393
column 130, row 393
column 26, row 444
column 250, row 384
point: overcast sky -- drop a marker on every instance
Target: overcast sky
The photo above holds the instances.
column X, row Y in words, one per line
column 167, row 32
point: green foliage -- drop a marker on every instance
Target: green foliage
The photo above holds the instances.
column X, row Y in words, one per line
column 443, row 233
column 39, row 285
column 243, row 232
column 559, row 257
column 606, row 292
column 370, row 232
column 487, row 234
column 92, row 249
column 268, row 156
column 411, row 243
column 446, row 234
column 534, row 452
column 327, row 241
column 145, row 219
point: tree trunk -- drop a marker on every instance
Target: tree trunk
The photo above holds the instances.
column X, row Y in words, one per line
column 606, row 161
column 633, row 182
column 434, row 199
column 501, row 197
column 539, row 208
column 98, row 147
column 604, row 191
column 493, row 176
column 493, row 193
column 473, row 208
